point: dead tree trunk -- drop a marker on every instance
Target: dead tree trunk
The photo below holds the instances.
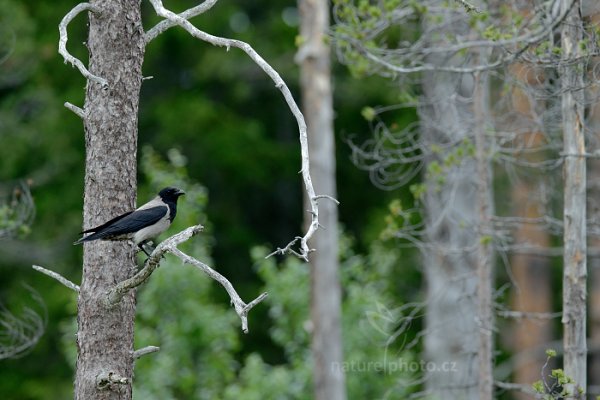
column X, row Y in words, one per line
column 485, row 258
column 449, row 257
column 105, row 334
column 315, row 76
column 575, row 269
column 593, row 178
column 531, row 272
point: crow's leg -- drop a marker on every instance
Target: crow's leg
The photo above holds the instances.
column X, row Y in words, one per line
column 141, row 246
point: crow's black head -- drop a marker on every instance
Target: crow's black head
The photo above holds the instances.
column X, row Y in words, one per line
column 170, row 194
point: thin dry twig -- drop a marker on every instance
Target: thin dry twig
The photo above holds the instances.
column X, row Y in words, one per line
column 77, row 110
column 187, row 14
column 58, row 277
column 280, row 84
column 241, row 308
column 144, row 351
column 115, row 295
column 62, row 43
column 169, row 245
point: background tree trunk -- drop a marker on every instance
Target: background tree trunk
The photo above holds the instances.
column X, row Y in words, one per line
column 531, row 272
column 450, row 256
column 593, row 178
column 485, row 252
column 575, row 269
column 315, row 79
column 105, row 335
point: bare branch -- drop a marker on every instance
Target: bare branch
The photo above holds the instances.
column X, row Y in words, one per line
column 115, row 295
column 58, row 277
column 325, row 196
column 77, row 110
column 169, row 245
column 187, row 14
column 280, row 84
column 144, row 351
column 289, row 249
column 529, row 315
column 62, row 43
column 240, row 307
column 412, row 58
column 515, row 386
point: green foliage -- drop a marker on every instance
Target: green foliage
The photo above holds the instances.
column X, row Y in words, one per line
column 373, row 364
column 199, row 337
column 398, row 217
column 176, row 308
column 232, row 131
column 368, row 113
column 557, row 384
column 11, row 222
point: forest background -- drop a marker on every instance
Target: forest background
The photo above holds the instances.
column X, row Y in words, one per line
column 211, row 123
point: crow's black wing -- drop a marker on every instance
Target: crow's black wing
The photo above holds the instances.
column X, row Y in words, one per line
column 129, row 223
column 104, row 225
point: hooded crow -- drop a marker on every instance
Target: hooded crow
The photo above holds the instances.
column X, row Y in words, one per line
column 141, row 225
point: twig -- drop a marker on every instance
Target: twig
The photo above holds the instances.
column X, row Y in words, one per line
column 62, row 43
column 187, row 14
column 280, row 84
column 58, row 277
column 528, row 315
column 290, row 249
column 240, row 307
column 144, row 351
column 114, row 295
column 515, row 386
column 325, row 196
column 77, row 110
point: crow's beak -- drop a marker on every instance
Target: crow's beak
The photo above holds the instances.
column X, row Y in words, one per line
column 180, row 192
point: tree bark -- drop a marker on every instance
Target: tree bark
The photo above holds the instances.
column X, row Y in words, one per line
column 531, row 273
column 593, row 179
column 456, row 259
column 485, row 253
column 449, row 257
column 575, row 268
column 105, row 335
column 315, row 79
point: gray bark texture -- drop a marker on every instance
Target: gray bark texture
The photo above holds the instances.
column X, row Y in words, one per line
column 315, row 79
column 105, row 334
column 485, row 253
column 593, row 181
column 574, row 173
column 450, row 257
column 454, row 210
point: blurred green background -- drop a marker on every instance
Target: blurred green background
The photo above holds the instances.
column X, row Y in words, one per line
column 212, row 123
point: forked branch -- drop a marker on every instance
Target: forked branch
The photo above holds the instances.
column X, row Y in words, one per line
column 240, row 307
column 115, row 295
column 175, row 19
column 62, row 43
column 169, row 245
